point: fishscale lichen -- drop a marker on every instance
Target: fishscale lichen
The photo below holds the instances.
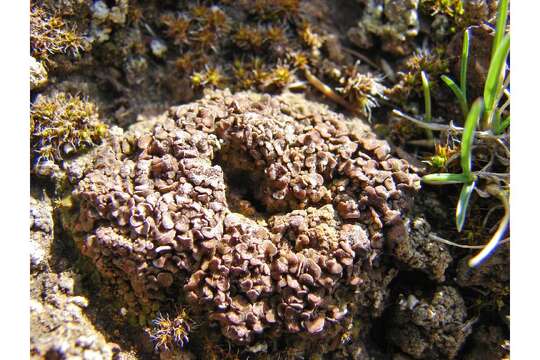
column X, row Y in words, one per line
column 157, row 220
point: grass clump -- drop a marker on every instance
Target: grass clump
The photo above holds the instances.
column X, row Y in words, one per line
column 486, row 120
column 61, row 125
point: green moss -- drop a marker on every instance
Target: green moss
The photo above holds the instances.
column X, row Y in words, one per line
column 62, row 125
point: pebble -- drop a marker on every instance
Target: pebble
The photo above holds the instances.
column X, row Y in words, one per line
column 158, row 47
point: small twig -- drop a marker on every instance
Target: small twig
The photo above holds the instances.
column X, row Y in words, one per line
column 490, row 211
column 441, row 127
column 490, row 162
column 328, row 92
column 491, row 175
column 388, row 71
column 503, row 145
column 362, row 57
column 424, row 143
column 297, row 85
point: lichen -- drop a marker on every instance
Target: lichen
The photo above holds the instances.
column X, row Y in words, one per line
column 396, row 23
column 158, row 220
column 430, row 326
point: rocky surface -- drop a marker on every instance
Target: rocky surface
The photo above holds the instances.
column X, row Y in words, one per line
column 432, row 326
column 240, row 209
column 59, row 326
column 249, row 226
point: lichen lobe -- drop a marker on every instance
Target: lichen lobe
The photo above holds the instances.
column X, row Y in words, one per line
column 157, row 219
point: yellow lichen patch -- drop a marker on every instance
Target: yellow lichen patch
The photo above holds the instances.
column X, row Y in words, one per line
column 448, row 7
column 211, row 76
column 280, row 77
column 308, row 37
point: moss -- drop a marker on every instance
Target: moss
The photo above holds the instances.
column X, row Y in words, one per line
column 62, row 125
column 272, row 9
column 50, row 35
column 410, row 81
column 279, row 78
column 176, row 28
column 170, row 333
column 461, row 14
column 361, row 90
column 212, row 77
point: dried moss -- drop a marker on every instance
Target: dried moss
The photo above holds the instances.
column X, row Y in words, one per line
column 62, row 125
column 50, row 35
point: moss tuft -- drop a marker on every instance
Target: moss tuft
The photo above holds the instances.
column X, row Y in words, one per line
column 170, row 333
column 62, row 125
column 50, row 35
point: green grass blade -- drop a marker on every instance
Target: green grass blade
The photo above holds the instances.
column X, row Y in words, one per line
column 427, row 97
column 502, row 17
column 463, row 204
column 496, row 122
column 493, row 85
column 468, row 137
column 504, row 124
column 464, row 62
column 458, row 93
column 444, row 178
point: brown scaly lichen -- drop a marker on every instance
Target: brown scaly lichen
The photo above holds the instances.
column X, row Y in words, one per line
column 62, row 125
column 157, row 220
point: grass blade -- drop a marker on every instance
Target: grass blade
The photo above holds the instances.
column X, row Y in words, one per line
column 496, row 238
column 493, row 86
column 444, row 178
column 427, row 102
column 458, row 93
column 464, row 62
column 504, row 124
column 427, row 96
column 468, row 137
column 463, row 204
column 502, row 17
